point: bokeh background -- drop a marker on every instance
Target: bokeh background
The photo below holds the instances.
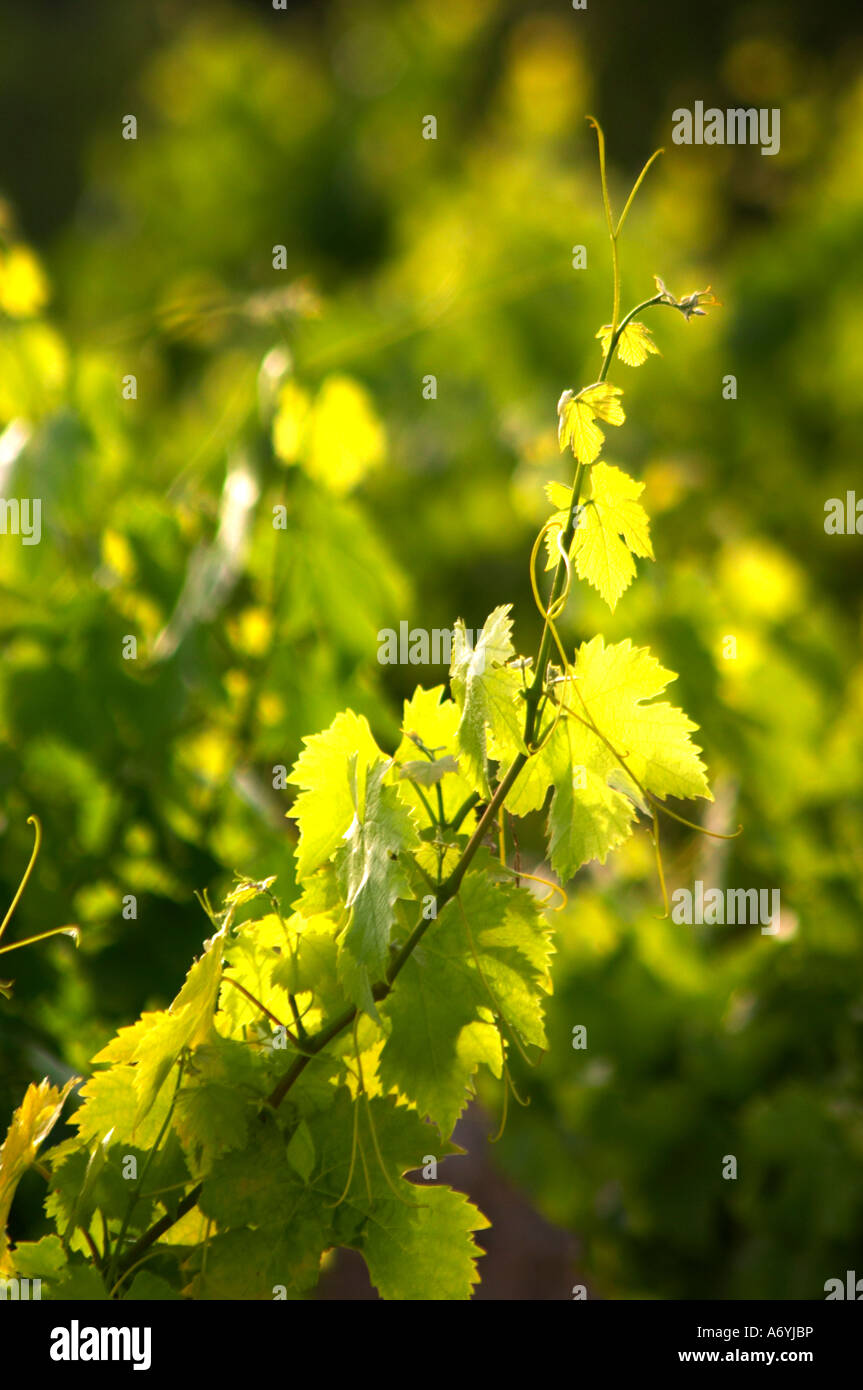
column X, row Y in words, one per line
column 256, row 387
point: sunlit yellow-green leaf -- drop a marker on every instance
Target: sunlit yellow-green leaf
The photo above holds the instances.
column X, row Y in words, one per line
column 487, row 692
column 324, row 808
column 372, row 877
column 425, row 1252
column 612, row 527
column 578, row 415
column 634, row 344
column 188, row 1021
column 609, row 710
column 31, row 1124
column 438, row 719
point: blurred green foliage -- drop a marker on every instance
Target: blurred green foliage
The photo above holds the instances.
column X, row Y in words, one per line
column 302, row 389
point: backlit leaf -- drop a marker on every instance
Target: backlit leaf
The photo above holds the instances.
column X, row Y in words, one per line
column 634, row 344
column 612, row 526
column 324, row 808
column 578, row 415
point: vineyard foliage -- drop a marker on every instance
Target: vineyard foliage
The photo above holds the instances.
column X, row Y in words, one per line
column 262, row 398
column 386, row 1015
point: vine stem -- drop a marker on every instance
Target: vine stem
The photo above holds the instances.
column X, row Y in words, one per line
column 615, row 230
column 612, row 231
column 37, row 841
column 158, row 1229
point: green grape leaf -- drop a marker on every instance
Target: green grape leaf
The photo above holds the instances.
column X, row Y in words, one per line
column 342, row 1194
column 254, row 1185
column 247, row 890
column 634, row 344
column 427, row 1252
column 587, row 817
column 579, row 413
column 39, row 1259
column 82, row 1283
column 253, row 954
column 124, row 1044
column 435, row 719
column 372, row 878
column 440, row 1008
column 319, row 894
column 110, row 1102
column 31, row 1124
column 426, row 773
column 300, row 1152
column 311, row 967
column 435, row 1003
column 76, row 1194
column 593, row 806
column 531, row 787
column 324, row 809
column 612, row 527
column 188, row 1021
column 149, row 1288
column 220, row 1088
column 404, row 1142
column 246, row 1265
column 487, row 692
column 615, row 682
